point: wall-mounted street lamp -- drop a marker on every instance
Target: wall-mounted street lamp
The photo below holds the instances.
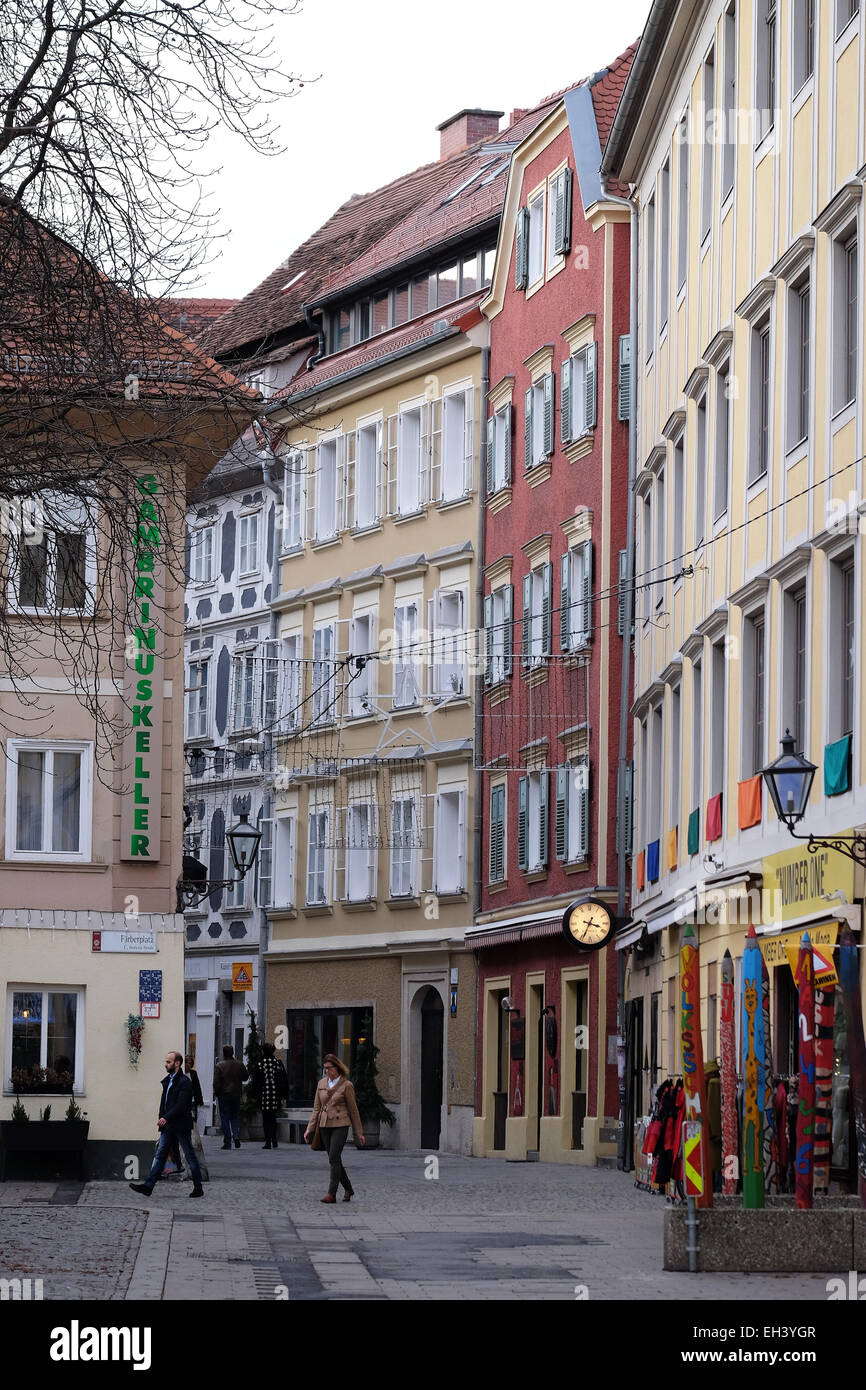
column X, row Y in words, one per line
column 789, row 781
column 243, row 841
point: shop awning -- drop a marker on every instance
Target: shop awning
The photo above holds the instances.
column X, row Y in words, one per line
column 506, row 936
column 679, row 911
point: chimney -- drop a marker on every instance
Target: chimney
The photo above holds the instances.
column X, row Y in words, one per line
column 465, row 129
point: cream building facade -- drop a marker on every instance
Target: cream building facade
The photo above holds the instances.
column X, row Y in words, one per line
column 743, row 133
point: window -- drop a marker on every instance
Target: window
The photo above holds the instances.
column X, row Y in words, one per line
column 759, row 459
column 804, row 42
column 446, row 284
column 579, row 398
column 845, row 12
column 521, row 250
column 243, row 691
column 683, row 202
column 446, row 620
column 292, row 716
column 381, row 312
column 675, row 756
column 657, row 763
column 368, row 471
column 576, row 598
column 660, row 565
column 236, row 888
column 457, row 427
column 846, row 326
column 571, row 824
column 283, row 862
column 56, row 556
column 844, row 634
column 537, row 589
column 48, row 800
column 265, row 860
column 532, row 802
column 723, row 443
column 406, row 685
column 538, row 421
column 679, row 518
column 411, row 460
column 341, row 330
column 646, row 557
column 324, row 693
column 489, row 260
column 450, row 841
column 403, row 836
column 765, row 66
column 717, row 743
column 293, row 502
column 664, row 242
column 754, row 706
column 400, row 307
column 536, row 240
column 799, row 368
column 317, row 858
column 360, row 682
column 498, row 633
column 650, row 293
column 197, row 699
column 795, row 684
column 729, row 102
column 201, row 555
column 327, row 489
column 420, row 295
column 469, row 274
column 497, row 835
column 499, row 450
column 248, row 543
column 559, row 230
column 312, row 1034
column 271, row 686
column 361, row 852
column 697, row 734
column 45, row 1029
column 708, row 149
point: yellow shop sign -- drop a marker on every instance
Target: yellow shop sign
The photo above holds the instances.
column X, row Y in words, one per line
column 776, row 950
column 796, row 882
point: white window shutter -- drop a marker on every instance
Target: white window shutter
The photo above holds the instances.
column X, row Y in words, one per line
column 624, row 411
column 561, row 821
column 461, row 842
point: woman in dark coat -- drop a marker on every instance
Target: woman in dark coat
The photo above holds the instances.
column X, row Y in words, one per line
column 270, row 1089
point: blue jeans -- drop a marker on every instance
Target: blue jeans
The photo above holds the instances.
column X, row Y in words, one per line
column 230, row 1114
column 166, row 1139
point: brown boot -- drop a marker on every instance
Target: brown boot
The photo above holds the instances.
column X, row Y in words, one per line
column 329, row 1198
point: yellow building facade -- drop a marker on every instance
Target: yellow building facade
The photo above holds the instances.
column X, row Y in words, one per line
column 743, row 134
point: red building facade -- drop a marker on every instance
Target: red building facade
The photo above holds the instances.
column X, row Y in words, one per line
column 557, row 479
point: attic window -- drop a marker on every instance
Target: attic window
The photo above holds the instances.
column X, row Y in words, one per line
column 461, row 187
column 494, row 173
column 294, row 280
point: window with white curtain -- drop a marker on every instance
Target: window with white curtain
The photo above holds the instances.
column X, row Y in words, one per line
column 403, row 855
column 450, row 841
column 49, row 789
column 317, row 858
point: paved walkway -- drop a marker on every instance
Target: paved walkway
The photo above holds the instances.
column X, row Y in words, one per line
column 480, row 1229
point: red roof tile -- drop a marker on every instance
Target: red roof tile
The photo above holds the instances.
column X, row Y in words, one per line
column 606, row 94
column 193, row 316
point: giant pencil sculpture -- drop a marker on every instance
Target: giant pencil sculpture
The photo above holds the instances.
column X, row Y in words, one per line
column 804, row 1162
column 693, row 1054
column 728, row 1049
column 753, row 1068
column 849, row 974
column 770, row 1156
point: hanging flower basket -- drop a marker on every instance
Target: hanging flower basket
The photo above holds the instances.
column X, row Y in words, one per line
column 134, row 1035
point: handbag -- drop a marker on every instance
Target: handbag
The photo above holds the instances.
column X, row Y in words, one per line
column 316, row 1142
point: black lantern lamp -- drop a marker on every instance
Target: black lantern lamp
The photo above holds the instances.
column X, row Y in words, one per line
column 243, row 842
column 789, row 781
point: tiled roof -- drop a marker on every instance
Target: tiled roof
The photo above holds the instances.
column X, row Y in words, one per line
column 192, row 316
column 374, row 349
column 605, row 99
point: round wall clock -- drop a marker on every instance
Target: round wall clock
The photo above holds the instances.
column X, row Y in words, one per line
column 588, row 924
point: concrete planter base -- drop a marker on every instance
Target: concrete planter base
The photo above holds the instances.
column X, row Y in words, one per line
column 778, row 1240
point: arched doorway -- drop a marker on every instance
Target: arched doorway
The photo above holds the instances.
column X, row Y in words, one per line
column 432, row 1043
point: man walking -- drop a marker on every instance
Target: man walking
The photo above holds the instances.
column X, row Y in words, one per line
column 175, row 1123
column 228, row 1077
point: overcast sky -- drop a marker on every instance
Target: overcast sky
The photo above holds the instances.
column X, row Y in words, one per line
column 389, row 71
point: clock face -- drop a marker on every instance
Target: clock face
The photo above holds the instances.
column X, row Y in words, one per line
column 588, row 924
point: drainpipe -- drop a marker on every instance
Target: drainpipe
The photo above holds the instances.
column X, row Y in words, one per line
column 478, row 830
column 269, row 741
column 319, row 331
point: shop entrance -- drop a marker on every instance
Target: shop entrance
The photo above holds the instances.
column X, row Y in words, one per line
column 432, row 1043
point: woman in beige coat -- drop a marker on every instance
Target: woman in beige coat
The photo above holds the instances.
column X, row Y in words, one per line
column 334, row 1110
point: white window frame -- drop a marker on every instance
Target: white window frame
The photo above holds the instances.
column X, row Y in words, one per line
column 761, row 403
column 360, row 686
column 455, row 478
column 536, row 229
column 803, row 38
column 368, row 473
column 577, row 848
column 283, row 867
column 402, row 881
column 449, row 851
column 724, row 436
column 45, row 511
column 579, row 611
column 197, row 547
column 294, row 505
column 361, row 857
column 405, row 655
column 584, row 361
column 292, row 713
column 534, row 860
column 243, row 689
column 202, row 716
column 323, row 694
column 249, row 522
column 799, row 373
column 318, row 870
column 14, row 746
column 448, row 657
column 327, row 517
column 80, row 1031
column 501, row 462
column 411, row 472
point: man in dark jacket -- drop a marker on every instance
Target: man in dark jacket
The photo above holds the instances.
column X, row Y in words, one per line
column 228, row 1077
column 175, row 1122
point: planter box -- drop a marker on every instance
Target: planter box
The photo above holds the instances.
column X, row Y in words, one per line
column 43, row 1137
column 778, row 1239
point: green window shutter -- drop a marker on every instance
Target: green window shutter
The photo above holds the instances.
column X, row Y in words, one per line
column 565, row 403
column 543, row 797
column 527, row 430
column 521, row 250
column 591, row 365
column 585, row 598
column 581, row 778
column 565, row 610
column 548, row 413
column 560, row 833
column 546, row 608
column 522, row 809
column 497, row 834
column 508, row 627
column 488, row 638
column 624, row 412
column 525, row 656
column 491, row 455
column 507, row 419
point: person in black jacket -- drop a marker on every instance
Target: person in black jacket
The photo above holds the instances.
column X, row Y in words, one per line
column 175, row 1121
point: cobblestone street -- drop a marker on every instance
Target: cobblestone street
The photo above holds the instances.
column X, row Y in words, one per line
column 482, row 1229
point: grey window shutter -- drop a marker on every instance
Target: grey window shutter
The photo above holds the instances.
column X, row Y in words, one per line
column 488, row 638
column 543, row 797
column 521, row 250
column 623, row 574
column 546, row 608
column 565, row 403
column 591, row 362
column 585, row 598
column 558, row 215
column 560, row 832
column 562, row 214
column 507, row 418
column 525, row 655
column 564, row 610
column 527, row 430
column 522, row 807
column 624, row 412
column 508, row 626
column 548, row 413
column 581, row 774
column 491, row 455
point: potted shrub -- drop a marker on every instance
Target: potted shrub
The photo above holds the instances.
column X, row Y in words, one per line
column 20, row 1134
column 251, row 1116
column 371, row 1107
